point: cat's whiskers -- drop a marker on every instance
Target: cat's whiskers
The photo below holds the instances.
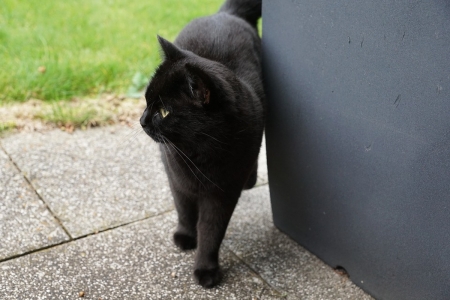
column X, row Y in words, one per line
column 216, row 146
column 130, row 137
column 151, row 106
column 135, row 124
column 165, row 148
column 213, row 138
column 165, row 153
column 163, row 103
column 177, row 150
column 180, row 151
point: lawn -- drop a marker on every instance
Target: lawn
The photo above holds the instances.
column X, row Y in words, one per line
column 56, row 50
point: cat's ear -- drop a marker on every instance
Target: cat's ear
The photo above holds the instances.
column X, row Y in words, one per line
column 199, row 83
column 170, row 51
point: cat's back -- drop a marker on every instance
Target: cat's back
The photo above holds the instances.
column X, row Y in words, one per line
column 224, row 38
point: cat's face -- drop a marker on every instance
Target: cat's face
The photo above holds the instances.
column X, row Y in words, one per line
column 174, row 110
column 178, row 100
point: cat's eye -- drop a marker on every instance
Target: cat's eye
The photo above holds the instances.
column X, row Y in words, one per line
column 163, row 112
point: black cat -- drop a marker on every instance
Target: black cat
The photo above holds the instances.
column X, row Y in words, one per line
column 205, row 105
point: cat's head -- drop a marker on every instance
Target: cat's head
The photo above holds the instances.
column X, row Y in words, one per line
column 188, row 96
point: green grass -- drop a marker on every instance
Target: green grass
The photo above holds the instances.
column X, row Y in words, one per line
column 4, row 127
column 67, row 116
column 55, row 50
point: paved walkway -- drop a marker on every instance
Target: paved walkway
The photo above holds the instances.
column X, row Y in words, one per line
column 89, row 214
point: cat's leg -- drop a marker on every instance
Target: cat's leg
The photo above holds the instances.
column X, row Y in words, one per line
column 251, row 181
column 185, row 236
column 214, row 215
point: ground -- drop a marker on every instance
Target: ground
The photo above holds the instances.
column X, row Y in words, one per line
column 89, row 214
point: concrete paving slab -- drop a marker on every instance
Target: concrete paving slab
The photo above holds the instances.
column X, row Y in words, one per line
column 279, row 260
column 25, row 222
column 137, row 261
column 106, row 177
column 96, row 179
column 263, row 177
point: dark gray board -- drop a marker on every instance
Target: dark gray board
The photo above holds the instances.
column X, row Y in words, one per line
column 358, row 138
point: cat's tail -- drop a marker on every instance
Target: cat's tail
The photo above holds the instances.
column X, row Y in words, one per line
column 249, row 10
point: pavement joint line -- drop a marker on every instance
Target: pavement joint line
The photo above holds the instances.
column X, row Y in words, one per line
column 281, row 293
column 58, row 221
column 72, row 239
column 82, row 236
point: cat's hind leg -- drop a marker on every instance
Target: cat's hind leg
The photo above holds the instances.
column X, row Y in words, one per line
column 251, row 181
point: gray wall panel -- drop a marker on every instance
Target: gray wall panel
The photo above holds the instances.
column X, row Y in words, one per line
column 358, row 138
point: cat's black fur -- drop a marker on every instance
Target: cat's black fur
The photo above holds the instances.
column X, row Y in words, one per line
column 205, row 106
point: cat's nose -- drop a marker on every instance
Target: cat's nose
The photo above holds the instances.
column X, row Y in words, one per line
column 143, row 118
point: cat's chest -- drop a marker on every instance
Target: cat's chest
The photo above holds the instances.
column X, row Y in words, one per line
column 194, row 170
column 182, row 162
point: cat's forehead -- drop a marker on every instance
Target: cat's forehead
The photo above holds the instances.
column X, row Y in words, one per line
column 165, row 81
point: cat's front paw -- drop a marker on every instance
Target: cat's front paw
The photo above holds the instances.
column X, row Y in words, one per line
column 184, row 241
column 208, row 278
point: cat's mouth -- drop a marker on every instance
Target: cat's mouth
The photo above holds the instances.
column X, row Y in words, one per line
column 156, row 136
